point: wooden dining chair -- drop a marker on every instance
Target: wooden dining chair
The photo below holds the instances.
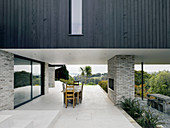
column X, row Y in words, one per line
column 70, row 95
column 76, row 83
column 81, row 93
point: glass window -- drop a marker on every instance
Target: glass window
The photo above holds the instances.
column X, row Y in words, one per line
column 36, row 78
column 22, row 81
column 76, row 16
column 27, row 80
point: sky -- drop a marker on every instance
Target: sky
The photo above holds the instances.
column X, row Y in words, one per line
column 75, row 69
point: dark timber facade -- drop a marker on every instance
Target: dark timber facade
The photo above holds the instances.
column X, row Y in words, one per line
column 106, row 24
column 119, row 33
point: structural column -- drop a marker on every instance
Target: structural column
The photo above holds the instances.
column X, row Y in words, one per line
column 121, row 76
column 6, row 81
column 51, row 76
column 46, row 78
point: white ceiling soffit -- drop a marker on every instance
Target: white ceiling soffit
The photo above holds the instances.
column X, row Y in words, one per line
column 93, row 56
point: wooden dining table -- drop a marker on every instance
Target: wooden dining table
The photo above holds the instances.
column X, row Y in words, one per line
column 77, row 90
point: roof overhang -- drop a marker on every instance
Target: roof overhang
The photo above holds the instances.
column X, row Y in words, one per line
column 93, row 56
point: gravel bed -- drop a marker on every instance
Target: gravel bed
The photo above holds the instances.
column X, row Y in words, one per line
column 163, row 117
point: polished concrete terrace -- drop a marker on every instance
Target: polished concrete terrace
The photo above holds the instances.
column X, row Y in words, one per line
column 96, row 110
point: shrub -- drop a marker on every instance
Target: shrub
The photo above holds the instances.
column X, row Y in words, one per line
column 69, row 82
column 132, row 107
column 145, row 118
column 148, row 120
column 91, row 83
column 104, row 84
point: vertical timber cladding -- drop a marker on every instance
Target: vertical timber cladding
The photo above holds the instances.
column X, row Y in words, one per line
column 106, row 24
column 121, row 69
column 6, row 81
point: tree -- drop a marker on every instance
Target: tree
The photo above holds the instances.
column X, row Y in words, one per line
column 82, row 73
column 160, row 83
column 71, row 78
column 62, row 73
column 86, row 72
column 22, row 79
column 138, row 77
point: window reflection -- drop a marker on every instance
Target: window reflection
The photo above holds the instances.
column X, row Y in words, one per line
column 22, row 81
column 76, row 16
column 27, row 80
column 36, row 77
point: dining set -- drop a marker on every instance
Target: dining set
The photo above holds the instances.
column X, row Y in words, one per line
column 72, row 93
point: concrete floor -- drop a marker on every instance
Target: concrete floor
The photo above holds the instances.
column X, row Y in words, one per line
column 96, row 110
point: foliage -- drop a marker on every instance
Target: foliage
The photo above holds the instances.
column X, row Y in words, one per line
column 145, row 118
column 69, row 82
column 61, row 73
column 85, row 72
column 132, row 107
column 91, row 83
column 71, row 78
column 148, row 120
column 96, row 75
column 88, row 71
column 82, row 71
column 138, row 90
column 160, row 83
column 22, row 79
column 36, row 80
column 138, row 77
column 104, row 84
column 153, row 83
column 93, row 78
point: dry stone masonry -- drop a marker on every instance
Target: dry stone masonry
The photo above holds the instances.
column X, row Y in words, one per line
column 51, row 76
column 46, row 79
column 6, row 81
column 121, row 70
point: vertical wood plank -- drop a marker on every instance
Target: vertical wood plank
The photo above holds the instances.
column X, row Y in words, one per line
column 157, row 23
column 121, row 23
column 147, row 23
column 168, row 23
column 164, row 23
column 125, row 25
column 129, row 30
column 143, row 14
column 154, row 24
column 34, row 23
column 161, row 26
column 150, row 23
column 8, row 22
column 19, row 23
column 5, row 23
column 132, row 23
column 2, row 23
column 140, row 22
column 136, row 45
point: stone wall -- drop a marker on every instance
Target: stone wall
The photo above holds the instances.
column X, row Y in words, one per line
column 6, row 81
column 121, row 69
column 46, row 78
column 51, row 76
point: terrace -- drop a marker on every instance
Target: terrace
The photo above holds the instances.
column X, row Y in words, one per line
column 96, row 110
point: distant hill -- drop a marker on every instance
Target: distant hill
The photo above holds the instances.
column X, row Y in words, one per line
column 73, row 74
column 94, row 78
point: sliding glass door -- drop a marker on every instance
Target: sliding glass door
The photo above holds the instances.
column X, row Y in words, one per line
column 22, row 81
column 27, row 80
